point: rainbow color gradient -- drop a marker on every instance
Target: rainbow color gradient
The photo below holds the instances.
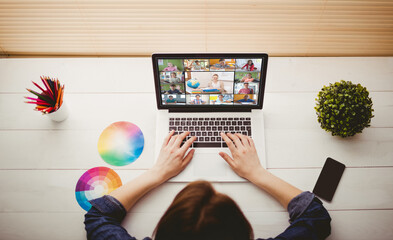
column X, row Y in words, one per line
column 94, row 183
column 121, row 143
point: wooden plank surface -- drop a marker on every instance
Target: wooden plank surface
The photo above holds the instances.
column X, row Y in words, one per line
column 53, row 190
column 296, row 110
column 310, row 74
column 281, row 111
column 40, row 184
column 82, row 75
column 290, row 148
column 290, row 123
column 103, row 75
column 285, row 148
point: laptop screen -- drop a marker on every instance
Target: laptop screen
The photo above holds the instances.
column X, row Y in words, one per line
column 209, row 80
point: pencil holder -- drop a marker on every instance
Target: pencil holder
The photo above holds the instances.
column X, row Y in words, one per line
column 50, row 100
column 60, row 114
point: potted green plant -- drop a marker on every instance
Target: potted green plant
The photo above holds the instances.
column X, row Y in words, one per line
column 344, row 108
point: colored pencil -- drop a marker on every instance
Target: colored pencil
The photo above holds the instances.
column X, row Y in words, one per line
column 51, row 97
column 61, row 97
column 42, row 97
column 38, row 86
column 35, row 99
column 38, row 103
column 49, row 91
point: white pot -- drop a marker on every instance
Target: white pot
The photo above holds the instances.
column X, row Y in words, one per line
column 60, row 114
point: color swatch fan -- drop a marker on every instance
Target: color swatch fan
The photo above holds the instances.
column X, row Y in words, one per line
column 94, row 183
column 121, row 143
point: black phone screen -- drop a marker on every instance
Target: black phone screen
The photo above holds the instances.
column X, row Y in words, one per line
column 328, row 179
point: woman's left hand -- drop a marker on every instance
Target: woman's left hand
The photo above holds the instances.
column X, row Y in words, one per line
column 171, row 160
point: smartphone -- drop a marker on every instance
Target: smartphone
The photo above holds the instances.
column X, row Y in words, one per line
column 328, row 179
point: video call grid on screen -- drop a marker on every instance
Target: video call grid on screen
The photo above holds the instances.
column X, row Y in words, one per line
column 210, row 81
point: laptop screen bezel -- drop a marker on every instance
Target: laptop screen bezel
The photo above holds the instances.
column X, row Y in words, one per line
column 209, row 108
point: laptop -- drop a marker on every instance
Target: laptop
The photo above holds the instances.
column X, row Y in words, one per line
column 206, row 94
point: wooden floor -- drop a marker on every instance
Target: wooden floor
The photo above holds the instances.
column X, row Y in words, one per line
column 41, row 161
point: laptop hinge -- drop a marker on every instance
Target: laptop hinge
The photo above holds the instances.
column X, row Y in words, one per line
column 207, row 110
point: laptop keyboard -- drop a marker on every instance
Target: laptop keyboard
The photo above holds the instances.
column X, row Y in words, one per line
column 207, row 130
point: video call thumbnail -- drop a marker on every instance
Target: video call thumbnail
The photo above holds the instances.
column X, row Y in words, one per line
column 171, row 88
column 221, row 99
column 170, row 65
column 245, row 99
column 246, row 88
column 196, row 65
column 222, row 64
column 247, row 76
column 248, row 65
column 209, row 82
column 197, row 99
column 171, row 77
column 217, row 81
column 170, row 99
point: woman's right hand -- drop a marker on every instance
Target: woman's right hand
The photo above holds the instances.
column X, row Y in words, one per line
column 245, row 161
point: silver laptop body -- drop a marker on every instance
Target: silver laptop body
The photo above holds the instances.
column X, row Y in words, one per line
column 180, row 109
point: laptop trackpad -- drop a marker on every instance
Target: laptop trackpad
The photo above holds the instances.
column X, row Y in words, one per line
column 209, row 165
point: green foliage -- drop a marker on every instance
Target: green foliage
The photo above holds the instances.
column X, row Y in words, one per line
column 344, row 108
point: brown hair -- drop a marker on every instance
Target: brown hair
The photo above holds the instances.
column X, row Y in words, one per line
column 199, row 212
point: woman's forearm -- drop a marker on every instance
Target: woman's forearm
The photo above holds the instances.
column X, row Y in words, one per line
column 132, row 191
column 275, row 186
column 171, row 161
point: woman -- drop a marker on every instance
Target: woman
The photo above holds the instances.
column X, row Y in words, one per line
column 170, row 68
column 198, row 211
column 215, row 84
column 249, row 66
column 247, row 78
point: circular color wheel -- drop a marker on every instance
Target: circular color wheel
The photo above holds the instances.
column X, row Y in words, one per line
column 94, row 183
column 121, row 143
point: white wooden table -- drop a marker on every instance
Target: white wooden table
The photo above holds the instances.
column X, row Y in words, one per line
column 41, row 161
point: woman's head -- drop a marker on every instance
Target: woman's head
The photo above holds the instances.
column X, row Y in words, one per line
column 215, row 77
column 199, row 212
column 173, row 74
column 249, row 62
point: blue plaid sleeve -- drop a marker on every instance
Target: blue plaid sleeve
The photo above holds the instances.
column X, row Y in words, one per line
column 309, row 220
column 103, row 220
